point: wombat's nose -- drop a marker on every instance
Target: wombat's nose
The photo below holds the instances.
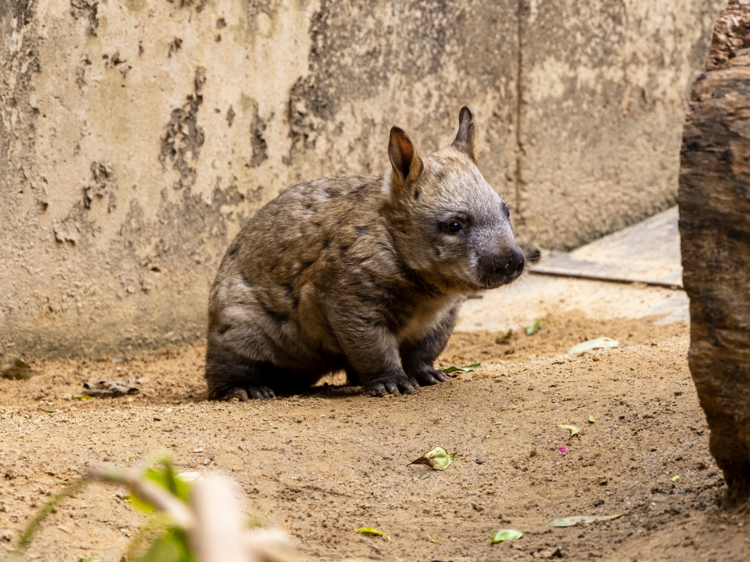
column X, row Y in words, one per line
column 511, row 264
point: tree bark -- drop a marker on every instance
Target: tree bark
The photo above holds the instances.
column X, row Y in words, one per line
column 714, row 202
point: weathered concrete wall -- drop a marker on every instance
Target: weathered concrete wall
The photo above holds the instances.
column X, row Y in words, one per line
column 604, row 89
column 141, row 134
column 138, row 135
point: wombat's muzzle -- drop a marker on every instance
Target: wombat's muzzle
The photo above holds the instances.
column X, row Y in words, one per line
column 502, row 268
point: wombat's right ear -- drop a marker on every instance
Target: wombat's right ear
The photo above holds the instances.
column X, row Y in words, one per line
column 406, row 163
column 465, row 139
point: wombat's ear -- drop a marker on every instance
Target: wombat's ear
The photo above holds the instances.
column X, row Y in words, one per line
column 407, row 165
column 465, row 139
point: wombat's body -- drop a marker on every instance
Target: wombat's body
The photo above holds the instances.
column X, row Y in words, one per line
column 362, row 274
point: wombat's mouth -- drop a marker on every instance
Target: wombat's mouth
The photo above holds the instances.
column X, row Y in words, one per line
column 472, row 287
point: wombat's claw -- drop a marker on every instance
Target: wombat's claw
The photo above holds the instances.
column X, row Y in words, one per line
column 431, row 376
column 391, row 386
column 244, row 394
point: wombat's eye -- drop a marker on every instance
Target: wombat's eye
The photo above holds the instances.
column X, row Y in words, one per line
column 507, row 210
column 454, row 227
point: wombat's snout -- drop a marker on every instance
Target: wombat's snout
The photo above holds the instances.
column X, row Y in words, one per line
column 503, row 267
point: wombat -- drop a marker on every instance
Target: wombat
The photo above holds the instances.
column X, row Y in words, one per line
column 361, row 274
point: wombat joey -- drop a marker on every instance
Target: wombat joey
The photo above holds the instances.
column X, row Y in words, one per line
column 360, row 274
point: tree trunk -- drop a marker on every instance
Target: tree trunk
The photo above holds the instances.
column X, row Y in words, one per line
column 714, row 201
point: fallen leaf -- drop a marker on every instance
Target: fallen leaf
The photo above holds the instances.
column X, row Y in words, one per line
column 16, row 369
column 598, row 343
column 89, row 559
column 591, row 419
column 504, row 337
column 110, row 389
column 506, row 535
column 435, row 540
column 675, row 478
column 437, row 458
column 586, row 519
column 82, row 397
column 454, row 368
column 534, row 328
column 573, row 429
column 371, row 531
column 425, row 475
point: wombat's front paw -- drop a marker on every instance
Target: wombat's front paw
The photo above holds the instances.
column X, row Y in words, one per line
column 246, row 392
column 393, row 384
column 427, row 376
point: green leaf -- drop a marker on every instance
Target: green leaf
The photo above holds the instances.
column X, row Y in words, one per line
column 172, row 546
column 166, row 478
column 454, row 368
column 598, row 343
column 437, row 458
column 586, row 519
column 82, row 397
column 89, row 559
column 675, row 478
column 573, row 429
column 591, row 419
column 424, row 476
column 372, row 531
column 534, row 328
column 506, row 535
column 435, row 541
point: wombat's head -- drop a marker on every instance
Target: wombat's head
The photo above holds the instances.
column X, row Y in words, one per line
column 450, row 225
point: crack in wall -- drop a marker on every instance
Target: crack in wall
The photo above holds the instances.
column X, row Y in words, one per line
column 522, row 11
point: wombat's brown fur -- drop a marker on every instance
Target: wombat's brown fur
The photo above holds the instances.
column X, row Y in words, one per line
column 362, row 274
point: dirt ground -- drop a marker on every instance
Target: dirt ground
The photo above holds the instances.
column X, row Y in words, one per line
column 323, row 464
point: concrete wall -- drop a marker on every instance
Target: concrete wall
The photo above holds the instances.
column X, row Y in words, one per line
column 604, row 90
column 137, row 136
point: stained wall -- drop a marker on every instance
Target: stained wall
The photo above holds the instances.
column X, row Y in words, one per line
column 138, row 136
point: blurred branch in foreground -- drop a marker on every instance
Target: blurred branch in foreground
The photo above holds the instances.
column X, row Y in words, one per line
column 196, row 519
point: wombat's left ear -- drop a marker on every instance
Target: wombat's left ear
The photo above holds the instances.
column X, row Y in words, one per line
column 465, row 139
column 406, row 163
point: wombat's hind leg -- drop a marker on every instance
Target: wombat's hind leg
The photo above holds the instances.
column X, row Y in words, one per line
column 236, row 381
column 352, row 378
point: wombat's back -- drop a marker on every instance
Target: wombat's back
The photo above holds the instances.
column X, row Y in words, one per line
column 289, row 234
column 265, row 299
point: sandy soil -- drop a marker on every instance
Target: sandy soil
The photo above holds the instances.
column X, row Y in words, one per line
column 323, row 464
